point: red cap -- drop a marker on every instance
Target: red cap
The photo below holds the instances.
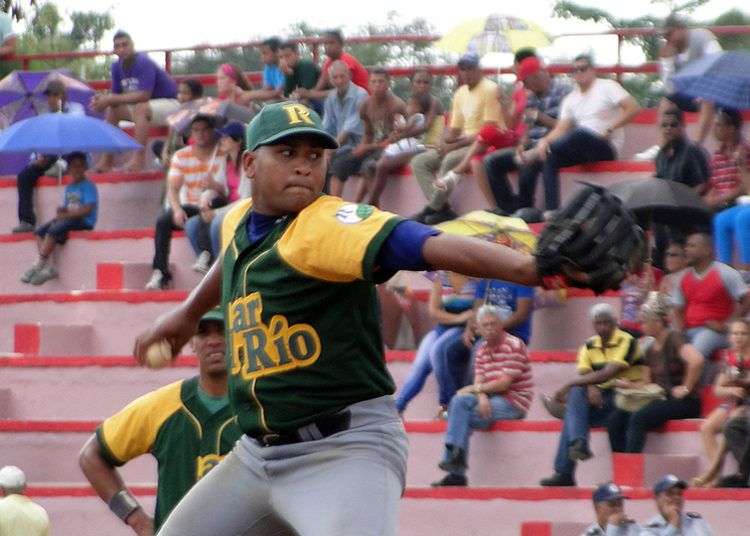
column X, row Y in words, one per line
column 528, row 67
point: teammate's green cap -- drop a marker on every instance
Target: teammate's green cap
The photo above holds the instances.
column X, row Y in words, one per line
column 279, row 120
column 214, row 314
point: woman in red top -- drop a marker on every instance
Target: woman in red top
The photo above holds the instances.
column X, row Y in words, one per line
column 231, row 84
column 728, row 386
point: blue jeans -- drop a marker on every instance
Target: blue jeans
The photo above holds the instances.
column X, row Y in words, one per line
column 215, row 233
column 463, row 418
column 578, row 146
column 580, row 416
column 422, row 365
column 452, row 365
column 730, row 226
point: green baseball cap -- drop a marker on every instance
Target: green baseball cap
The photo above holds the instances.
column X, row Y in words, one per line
column 214, row 315
column 282, row 119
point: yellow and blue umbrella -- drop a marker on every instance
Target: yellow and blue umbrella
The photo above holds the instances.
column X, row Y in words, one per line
column 493, row 34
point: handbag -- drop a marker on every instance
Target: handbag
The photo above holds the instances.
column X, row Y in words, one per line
column 632, row 400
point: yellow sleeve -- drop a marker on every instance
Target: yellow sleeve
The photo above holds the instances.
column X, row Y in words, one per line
column 627, row 352
column 457, row 117
column 491, row 108
column 232, row 220
column 132, row 431
column 583, row 362
column 336, row 241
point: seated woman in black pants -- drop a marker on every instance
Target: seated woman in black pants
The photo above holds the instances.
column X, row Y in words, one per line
column 674, row 365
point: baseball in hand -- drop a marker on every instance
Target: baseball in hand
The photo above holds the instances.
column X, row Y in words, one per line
column 159, row 354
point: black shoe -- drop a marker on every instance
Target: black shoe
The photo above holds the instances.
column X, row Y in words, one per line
column 422, row 215
column 441, row 215
column 498, row 211
column 736, row 480
column 558, row 480
column 451, row 479
column 456, row 462
column 579, row 451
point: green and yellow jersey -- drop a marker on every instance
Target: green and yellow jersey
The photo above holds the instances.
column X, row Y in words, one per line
column 187, row 438
column 301, row 314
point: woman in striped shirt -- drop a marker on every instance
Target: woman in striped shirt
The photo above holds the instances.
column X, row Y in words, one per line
column 501, row 391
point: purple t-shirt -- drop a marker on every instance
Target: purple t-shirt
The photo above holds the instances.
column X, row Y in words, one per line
column 143, row 75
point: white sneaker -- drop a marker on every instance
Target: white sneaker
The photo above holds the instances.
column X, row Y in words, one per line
column 203, row 263
column 157, row 281
column 648, row 154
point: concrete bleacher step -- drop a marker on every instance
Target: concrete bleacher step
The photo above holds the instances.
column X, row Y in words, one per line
column 116, row 322
column 78, row 262
column 552, row 528
column 126, row 200
column 509, row 454
column 53, row 339
column 429, row 512
column 645, row 470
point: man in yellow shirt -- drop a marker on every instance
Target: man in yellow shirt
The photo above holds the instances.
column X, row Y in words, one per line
column 475, row 104
column 19, row 515
column 610, row 355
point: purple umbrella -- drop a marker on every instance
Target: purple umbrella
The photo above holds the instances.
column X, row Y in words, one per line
column 22, row 92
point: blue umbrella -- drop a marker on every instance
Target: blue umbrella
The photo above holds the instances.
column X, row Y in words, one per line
column 722, row 78
column 59, row 133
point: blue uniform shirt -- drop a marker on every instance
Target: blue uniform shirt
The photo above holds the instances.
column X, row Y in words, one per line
column 82, row 193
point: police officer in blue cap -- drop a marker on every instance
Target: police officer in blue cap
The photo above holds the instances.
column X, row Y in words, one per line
column 609, row 505
column 672, row 521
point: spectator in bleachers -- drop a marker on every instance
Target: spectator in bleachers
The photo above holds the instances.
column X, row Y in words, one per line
column 674, row 365
column 501, row 391
column 194, row 169
column 298, row 72
column 421, row 127
column 634, row 290
column 674, row 262
column 378, row 113
column 198, row 227
column 590, row 127
column 232, row 85
column 187, row 91
column 729, row 182
column 41, row 163
column 609, row 506
column 679, row 159
column 77, row 213
column 19, row 515
column 684, row 46
column 706, row 296
column 542, row 110
column 341, row 117
column 731, row 386
column 672, row 520
column 272, row 87
column 475, row 105
column 451, row 310
column 333, row 44
column 142, row 92
column 610, row 355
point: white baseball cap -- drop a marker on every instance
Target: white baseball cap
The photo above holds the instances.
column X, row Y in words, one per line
column 11, row 477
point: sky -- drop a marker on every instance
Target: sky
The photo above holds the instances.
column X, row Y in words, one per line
column 168, row 23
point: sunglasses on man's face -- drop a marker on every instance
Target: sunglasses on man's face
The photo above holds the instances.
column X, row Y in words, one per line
column 580, row 68
column 670, row 125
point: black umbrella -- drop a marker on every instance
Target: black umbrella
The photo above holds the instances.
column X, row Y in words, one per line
column 662, row 201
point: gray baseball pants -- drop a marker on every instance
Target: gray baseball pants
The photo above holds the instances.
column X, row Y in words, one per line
column 347, row 484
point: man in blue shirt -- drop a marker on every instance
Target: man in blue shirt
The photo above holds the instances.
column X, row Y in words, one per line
column 78, row 212
column 142, row 92
column 273, row 78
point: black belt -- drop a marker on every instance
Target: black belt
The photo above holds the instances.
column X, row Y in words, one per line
column 320, row 428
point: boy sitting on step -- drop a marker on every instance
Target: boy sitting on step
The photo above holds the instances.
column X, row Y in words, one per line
column 78, row 212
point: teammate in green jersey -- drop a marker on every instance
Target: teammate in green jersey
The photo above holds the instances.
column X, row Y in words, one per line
column 324, row 450
column 188, row 426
